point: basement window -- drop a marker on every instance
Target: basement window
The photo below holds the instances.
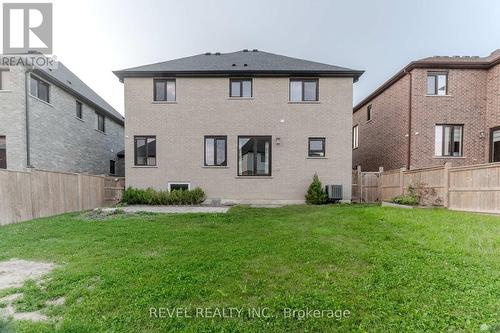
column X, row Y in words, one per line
column 179, row 187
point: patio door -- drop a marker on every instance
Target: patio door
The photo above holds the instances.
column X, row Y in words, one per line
column 495, row 144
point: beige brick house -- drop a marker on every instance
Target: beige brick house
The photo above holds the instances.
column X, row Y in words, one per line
column 247, row 126
column 435, row 110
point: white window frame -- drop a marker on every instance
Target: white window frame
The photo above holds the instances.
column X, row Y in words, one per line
column 169, row 185
column 438, row 140
column 355, row 137
column 436, row 77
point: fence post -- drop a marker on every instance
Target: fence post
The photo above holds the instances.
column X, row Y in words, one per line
column 446, row 184
column 402, row 181
column 379, row 183
column 80, row 191
column 360, row 185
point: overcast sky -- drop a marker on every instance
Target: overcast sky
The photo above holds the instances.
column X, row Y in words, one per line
column 95, row 37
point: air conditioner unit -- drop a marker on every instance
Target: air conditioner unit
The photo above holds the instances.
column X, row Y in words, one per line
column 334, row 192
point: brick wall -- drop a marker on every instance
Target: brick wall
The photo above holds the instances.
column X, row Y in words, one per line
column 464, row 104
column 383, row 140
column 473, row 101
column 492, row 103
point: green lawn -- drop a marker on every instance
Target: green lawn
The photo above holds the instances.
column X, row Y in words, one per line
column 394, row 270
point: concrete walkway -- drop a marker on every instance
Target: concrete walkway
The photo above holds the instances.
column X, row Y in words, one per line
column 171, row 209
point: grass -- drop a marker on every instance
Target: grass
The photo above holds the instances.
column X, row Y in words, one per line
column 393, row 270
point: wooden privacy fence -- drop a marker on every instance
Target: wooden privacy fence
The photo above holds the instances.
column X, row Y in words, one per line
column 37, row 193
column 474, row 188
column 365, row 186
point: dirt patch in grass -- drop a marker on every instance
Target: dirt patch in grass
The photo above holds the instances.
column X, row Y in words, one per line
column 13, row 274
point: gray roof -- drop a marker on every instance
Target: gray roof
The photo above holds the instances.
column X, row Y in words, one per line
column 66, row 79
column 241, row 62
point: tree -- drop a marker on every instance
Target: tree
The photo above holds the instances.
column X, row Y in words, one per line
column 316, row 195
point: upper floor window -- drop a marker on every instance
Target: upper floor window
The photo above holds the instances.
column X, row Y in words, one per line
column 3, row 78
column 215, row 150
column 145, row 150
column 437, row 83
column 79, row 110
column 369, row 113
column 164, row 90
column 101, row 122
column 316, row 147
column 355, row 137
column 3, row 153
column 39, row 89
column 304, row 90
column 240, row 88
column 448, row 140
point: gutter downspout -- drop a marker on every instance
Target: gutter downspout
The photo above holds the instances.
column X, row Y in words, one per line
column 408, row 157
column 27, row 116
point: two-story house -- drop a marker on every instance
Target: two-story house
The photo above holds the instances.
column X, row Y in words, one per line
column 247, row 126
column 51, row 120
column 435, row 110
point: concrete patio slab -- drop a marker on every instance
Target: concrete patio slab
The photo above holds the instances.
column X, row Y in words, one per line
column 170, row 209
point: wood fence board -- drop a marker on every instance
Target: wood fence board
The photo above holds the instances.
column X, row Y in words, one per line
column 39, row 193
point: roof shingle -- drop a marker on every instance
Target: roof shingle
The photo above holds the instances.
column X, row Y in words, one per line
column 245, row 61
column 65, row 78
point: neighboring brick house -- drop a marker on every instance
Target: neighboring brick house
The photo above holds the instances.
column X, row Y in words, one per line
column 435, row 110
column 246, row 126
column 51, row 120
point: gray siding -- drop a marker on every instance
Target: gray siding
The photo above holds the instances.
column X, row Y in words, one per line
column 12, row 117
column 59, row 141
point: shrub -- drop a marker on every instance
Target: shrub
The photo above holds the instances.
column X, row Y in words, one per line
column 411, row 198
column 407, row 199
column 134, row 196
column 316, row 195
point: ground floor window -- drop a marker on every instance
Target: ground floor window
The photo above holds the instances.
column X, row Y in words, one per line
column 112, row 167
column 3, row 153
column 254, row 156
column 448, row 140
column 316, row 147
column 179, row 186
column 215, row 150
column 495, row 144
column 145, row 150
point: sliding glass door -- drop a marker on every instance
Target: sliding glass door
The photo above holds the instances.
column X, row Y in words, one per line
column 254, row 156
